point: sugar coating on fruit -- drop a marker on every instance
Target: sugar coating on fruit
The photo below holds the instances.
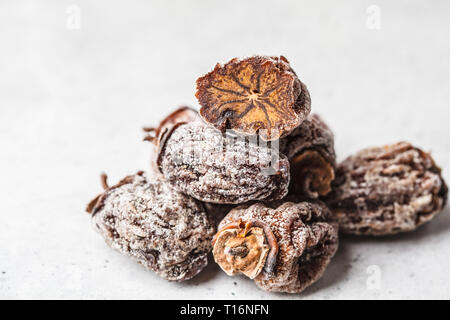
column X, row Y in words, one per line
column 160, row 228
column 387, row 190
column 306, row 240
column 213, row 167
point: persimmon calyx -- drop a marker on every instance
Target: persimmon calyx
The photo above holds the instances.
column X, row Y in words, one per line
column 246, row 248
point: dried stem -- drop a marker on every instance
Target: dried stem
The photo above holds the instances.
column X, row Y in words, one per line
column 104, row 180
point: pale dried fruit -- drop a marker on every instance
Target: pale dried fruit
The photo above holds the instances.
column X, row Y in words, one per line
column 387, row 190
column 310, row 150
column 254, row 95
column 299, row 241
column 162, row 229
column 213, row 167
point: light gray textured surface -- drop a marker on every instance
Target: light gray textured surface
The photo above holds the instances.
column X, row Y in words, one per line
column 73, row 101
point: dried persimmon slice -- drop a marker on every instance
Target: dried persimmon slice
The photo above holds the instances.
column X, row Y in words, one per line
column 254, row 95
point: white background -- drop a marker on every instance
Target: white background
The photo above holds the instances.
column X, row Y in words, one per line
column 73, row 101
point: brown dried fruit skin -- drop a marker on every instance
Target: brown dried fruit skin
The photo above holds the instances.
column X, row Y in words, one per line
column 201, row 162
column 254, row 95
column 387, row 190
column 155, row 135
column 145, row 219
column 306, row 241
column 310, row 150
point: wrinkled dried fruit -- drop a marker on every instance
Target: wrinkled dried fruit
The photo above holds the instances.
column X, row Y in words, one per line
column 310, row 150
column 299, row 241
column 156, row 134
column 145, row 219
column 386, row 190
column 254, row 95
column 315, row 173
column 200, row 161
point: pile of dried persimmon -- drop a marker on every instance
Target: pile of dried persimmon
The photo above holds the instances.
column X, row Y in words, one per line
column 253, row 178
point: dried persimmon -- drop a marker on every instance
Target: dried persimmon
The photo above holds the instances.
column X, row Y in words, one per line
column 313, row 174
column 386, row 190
column 145, row 219
column 283, row 247
column 254, row 95
column 310, row 150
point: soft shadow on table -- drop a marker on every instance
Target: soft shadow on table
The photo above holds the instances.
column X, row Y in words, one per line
column 211, row 271
column 336, row 271
column 342, row 261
